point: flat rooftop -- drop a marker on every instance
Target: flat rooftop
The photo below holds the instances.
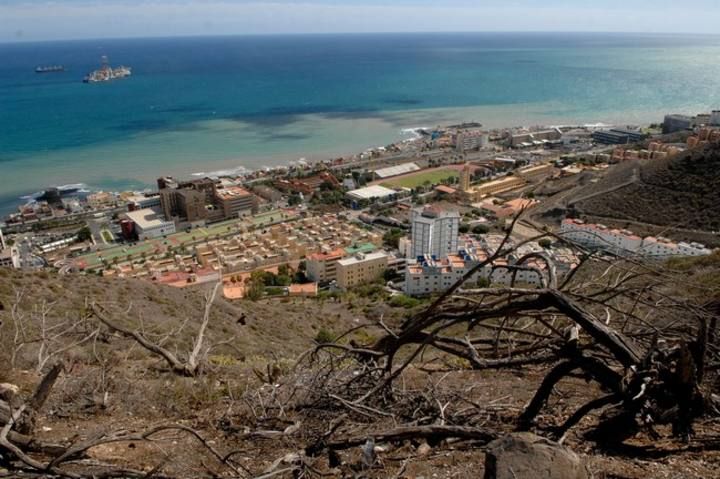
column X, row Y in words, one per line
column 397, row 170
column 360, row 258
column 232, row 192
column 147, row 218
column 370, row 192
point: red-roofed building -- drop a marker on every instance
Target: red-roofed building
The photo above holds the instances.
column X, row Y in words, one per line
column 321, row 267
column 308, row 289
column 445, row 190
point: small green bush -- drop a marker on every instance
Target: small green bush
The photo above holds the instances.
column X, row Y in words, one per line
column 324, row 336
column 402, row 301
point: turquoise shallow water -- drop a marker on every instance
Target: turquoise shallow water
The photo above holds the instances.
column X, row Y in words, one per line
column 206, row 104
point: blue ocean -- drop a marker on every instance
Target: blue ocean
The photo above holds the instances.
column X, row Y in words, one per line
column 199, row 105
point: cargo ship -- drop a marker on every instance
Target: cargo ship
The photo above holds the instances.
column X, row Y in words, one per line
column 107, row 73
column 50, row 69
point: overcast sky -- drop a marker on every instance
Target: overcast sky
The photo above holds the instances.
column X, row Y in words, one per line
column 28, row 20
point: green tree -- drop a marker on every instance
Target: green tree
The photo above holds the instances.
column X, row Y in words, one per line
column 294, row 199
column 464, row 228
column 389, row 275
column 545, row 242
column 480, row 229
column 255, row 286
column 284, row 269
column 392, row 237
column 84, row 234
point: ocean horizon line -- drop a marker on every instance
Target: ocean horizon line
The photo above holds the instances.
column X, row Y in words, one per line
column 368, row 33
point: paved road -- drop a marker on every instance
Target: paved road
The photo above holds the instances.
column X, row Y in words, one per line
column 633, row 179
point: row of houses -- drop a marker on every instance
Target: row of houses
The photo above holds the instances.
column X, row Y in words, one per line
column 624, row 242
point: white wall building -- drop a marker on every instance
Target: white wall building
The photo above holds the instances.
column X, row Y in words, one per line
column 371, row 193
column 405, row 247
column 150, row 223
column 434, row 232
column 140, row 202
column 715, row 118
column 621, row 242
column 9, row 255
column 427, row 276
column 471, row 140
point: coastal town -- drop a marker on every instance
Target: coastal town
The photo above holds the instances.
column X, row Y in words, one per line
column 414, row 216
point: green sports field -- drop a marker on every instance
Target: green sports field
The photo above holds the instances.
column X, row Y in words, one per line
column 418, row 179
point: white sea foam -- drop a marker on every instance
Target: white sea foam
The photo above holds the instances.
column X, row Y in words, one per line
column 237, row 171
column 80, row 187
column 415, row 132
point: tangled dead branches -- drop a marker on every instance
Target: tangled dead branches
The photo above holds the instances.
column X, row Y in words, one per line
column 610, row 321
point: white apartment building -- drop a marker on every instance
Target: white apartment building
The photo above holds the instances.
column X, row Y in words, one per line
column 621, row 242
column 471, row 140
column 434, row 232
column 427, row 276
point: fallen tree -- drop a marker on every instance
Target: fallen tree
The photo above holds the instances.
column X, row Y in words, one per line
column 611, row 322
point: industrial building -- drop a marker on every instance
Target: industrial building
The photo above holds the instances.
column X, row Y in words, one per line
column 673, row 123
column 618, row 136
column 396, row 170
column 535, row 138
column 371, row 193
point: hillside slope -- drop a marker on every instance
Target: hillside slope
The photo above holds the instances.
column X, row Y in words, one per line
column 680, row 192
column 283, row 328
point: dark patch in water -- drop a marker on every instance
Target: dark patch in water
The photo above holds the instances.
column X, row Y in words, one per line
column 265, row 121
column 136, row 126
column 283, row 116
column 403, row 101
column 287, row 137
column 197, row 108
column 142, row 125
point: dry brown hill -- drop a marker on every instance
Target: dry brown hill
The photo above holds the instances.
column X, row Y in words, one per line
column 681, row 192
column 252, row 404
